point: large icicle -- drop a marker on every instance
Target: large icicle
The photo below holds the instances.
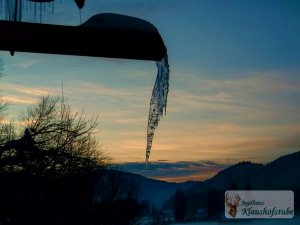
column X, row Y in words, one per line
column 158, row 103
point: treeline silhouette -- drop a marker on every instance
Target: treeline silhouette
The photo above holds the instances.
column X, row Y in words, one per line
column 52, row 172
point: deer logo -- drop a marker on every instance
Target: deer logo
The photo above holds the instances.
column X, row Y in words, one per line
column 233, row 207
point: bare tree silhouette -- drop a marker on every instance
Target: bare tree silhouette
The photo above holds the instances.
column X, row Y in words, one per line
column 53, row 140
column 51, row 171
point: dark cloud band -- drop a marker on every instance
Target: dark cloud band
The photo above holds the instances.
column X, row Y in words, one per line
column 179, row 171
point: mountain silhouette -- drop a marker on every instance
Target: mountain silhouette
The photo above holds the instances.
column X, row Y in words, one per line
column 156, row 192
column 280, row 174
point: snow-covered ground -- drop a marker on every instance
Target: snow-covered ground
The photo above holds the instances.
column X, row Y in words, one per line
column 294, row 221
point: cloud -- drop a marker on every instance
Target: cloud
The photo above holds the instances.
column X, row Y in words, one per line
column 22, row 94
column 102, row 90
column 254, row 82
column 29, row 63
column 24, row 89
column 18, row 100
column 252, row 99
column 176, row 172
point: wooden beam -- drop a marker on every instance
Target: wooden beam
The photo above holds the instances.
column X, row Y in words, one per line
column 104, row 35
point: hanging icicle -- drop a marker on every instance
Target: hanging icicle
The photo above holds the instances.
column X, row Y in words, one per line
column 80, row 4
column 42, row 8
column 13, row 9
column 158, row 103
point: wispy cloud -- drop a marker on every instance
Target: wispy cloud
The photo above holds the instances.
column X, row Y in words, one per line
column 28, row 63
column 98, row 89
column 238, row 90
column 253, row 82
column 22, row 94
column 255, row 99
column 23, row 89
column 18, row 100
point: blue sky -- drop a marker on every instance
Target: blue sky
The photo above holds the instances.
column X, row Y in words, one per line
column 234, row 86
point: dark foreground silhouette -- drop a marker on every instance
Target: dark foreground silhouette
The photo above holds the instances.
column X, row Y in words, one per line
column 51, row 172
column 28, row 199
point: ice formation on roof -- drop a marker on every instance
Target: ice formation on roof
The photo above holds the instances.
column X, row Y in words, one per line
column 158, row 102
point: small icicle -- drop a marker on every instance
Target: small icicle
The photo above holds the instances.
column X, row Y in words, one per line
column 13, row 10
column 35, row 12
column 6, row 10
column 41, row 12
column 158, row 102
column 53, row 8
column 80, row 16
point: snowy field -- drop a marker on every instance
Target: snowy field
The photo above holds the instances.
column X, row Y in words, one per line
column 294, row 221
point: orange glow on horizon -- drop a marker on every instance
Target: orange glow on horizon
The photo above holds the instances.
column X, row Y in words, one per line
column 193, row 177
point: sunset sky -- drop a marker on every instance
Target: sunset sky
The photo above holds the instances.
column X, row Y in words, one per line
column 234, row 84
